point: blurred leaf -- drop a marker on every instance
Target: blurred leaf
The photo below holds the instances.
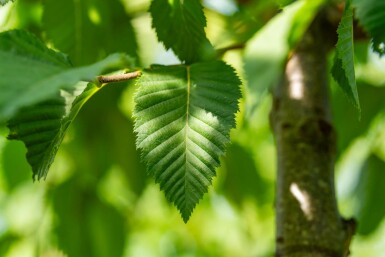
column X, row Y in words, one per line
column 42, row 127
column 20, row 43
column 30, row 72
column 371, row 193
column 369, row 66
column 183, row 118
column 343, row 115
column 105, row 140
column 86, row 226
column 242, row 177
column 14, row 165
column 283, row 3
column 265, row 54
column 5, row 243
column 370, row 14
column 304, row 16
column 180, row 26
column 343, row 67
column 89, row 30
column 106, row 230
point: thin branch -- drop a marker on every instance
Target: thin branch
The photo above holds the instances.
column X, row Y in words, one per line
column 119, row 77
column 222, row 51
column 350, row 227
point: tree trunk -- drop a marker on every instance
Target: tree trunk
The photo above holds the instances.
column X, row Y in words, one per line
column 307, row 217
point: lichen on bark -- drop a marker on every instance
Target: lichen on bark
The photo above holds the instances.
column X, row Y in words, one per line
column 307, row 217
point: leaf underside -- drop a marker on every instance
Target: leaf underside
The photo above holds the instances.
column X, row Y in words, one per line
column 343, row 66
column 41, row 94
column 30, row 72
column 42, row 127
column 183, row 117
column 180, row 26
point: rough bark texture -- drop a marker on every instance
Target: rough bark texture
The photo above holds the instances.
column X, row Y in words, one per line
column 307, row 216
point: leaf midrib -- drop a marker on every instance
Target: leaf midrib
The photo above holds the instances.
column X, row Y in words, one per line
column 186, row 129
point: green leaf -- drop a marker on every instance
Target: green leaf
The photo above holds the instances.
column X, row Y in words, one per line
column 42, row 127
column 343, row 67
column 371, row 191
column 20, row 43
column 344, row 115
column 265, row 55
column 15, row 167
column 302, row 19
column 89, row 30
column 242, row 179
column 180, row 26
column 183, row 118
column 30, row 72
column 371, row 15
column 86, row 226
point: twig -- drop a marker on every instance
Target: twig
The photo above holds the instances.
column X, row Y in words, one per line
column 350, row 226
column 222, row 51
column 119, row 77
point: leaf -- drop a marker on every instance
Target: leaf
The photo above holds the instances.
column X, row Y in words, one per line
column 88, row 30
column 180, row 26
column 371, row 15
column 371, row 192
column 302, row 19
column 183, row 118
column 284, row 3
column 30, row 72
column 265, row 54
column 243, row 180
column 343, row 115
column 14, row 166
column 343, row 67
column 86, row 226
column 42, row 127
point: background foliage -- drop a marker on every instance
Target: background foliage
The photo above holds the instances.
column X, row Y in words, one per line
column 97, row 200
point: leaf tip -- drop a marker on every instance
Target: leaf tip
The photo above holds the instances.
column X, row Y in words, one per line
column 186, row 216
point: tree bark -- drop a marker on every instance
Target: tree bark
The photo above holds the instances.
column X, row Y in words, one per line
column 307, row 217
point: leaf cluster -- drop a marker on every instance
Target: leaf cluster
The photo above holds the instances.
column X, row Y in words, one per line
column 183, row 113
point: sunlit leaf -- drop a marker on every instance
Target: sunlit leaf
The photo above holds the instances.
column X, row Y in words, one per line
column 180, row 26
column 302, row 20
column 89, row 30
column 183, row 118
column 30, row 72
column 265, row 54
column 42, row 127
column 370, row 14
column 343, row 67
